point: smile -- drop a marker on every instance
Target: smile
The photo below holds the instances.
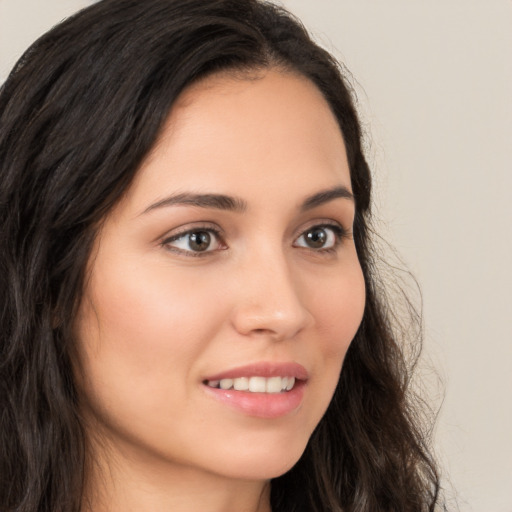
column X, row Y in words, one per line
column 262, row 389
column 254, row 384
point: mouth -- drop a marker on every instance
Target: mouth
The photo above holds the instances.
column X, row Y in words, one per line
column 254, row 384
column 262, row 390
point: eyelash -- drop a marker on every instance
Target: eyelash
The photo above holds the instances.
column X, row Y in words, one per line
column 338, row 231
column 217, row 235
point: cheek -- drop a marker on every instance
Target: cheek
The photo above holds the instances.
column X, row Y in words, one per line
column 140, row 332
column 147, row 312
column 338, row 308
column 339, row 311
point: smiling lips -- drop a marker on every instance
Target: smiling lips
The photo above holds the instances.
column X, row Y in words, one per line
column 255, row 384
column 263, row 390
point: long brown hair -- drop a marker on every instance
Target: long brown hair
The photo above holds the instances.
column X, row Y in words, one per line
column 78, row 114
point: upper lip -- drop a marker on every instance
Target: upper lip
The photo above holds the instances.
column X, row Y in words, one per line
column 263, row 369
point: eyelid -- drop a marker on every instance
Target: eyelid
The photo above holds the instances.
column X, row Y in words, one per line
column 329, row 223
column 182, row 231
column 340, row 233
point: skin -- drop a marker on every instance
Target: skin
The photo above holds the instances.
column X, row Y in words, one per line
column 157, row 318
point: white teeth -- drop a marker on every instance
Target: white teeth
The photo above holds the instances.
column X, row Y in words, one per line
column 241, row 384
column 274, row 385
column 255, row 384
column 226, row 383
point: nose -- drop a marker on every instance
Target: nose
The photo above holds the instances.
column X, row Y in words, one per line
column 268, row 300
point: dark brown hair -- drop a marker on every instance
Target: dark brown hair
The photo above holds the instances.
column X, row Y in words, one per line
column 78, row 114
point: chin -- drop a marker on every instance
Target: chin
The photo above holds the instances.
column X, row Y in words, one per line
column 265, row 463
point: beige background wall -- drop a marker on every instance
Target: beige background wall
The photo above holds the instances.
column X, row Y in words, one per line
column 434, row 85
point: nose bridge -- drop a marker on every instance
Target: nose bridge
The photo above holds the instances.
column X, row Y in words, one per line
column 269, row 300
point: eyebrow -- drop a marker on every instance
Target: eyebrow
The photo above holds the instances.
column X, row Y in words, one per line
column 215, row 201
column 234, row 204
column 326, row 196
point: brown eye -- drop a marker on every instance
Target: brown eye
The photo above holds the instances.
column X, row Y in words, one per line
column 316, row 238
column 194, row 241
column 199, row 240
column 320, row 237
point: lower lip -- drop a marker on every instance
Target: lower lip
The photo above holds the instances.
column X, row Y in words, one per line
column 261, row 405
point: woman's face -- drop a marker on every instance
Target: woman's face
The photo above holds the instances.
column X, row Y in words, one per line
column 230, row 262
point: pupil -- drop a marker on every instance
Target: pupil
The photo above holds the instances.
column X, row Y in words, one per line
column 199, row 241
column 316, row 238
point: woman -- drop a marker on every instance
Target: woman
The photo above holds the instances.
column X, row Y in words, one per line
column 190, row 314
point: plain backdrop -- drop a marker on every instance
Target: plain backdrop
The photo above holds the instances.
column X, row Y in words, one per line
column 434, row 88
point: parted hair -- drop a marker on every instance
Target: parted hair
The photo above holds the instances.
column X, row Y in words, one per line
column 80, row 111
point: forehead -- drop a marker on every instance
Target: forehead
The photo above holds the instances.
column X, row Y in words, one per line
column 226, row 132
